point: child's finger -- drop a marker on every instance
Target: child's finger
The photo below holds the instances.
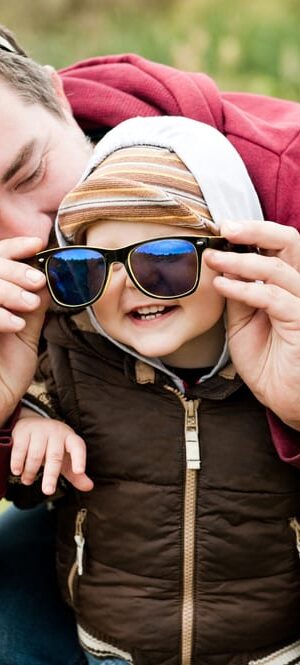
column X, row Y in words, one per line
column 74, row 463
column 21, row 439
column 75, row 446
column 34, row 458
column 79, row 480
column 53, row 464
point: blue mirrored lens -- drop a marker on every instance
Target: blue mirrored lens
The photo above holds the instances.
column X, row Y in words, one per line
column 76, row 275
column 166, row 268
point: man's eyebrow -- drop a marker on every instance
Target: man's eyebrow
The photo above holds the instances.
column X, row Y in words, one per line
column 19, row 161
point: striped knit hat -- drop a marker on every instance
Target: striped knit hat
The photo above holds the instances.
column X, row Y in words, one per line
column 136, row 184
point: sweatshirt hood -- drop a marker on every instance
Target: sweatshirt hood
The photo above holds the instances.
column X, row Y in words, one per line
column 106, row 90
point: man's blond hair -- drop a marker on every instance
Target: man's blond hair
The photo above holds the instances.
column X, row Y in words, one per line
column 30, row 80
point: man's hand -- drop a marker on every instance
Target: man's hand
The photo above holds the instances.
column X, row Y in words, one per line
column 263, row 311
column 23, row 302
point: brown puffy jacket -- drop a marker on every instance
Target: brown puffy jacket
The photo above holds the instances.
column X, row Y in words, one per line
column 174, row 565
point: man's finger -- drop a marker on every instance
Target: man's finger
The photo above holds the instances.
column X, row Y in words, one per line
column 33, row 322
column 20, row 248
column 252, row 267
column 10, row 322
column 21, row 274
column 17, row 299
column 270, row 236
column 276, row 302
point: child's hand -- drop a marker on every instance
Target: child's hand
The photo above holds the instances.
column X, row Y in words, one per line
column 39, row 441
column 263, row 311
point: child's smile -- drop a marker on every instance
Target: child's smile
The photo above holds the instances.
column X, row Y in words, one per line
column 151, row 312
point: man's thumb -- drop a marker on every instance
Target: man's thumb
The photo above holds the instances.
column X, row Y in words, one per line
column 34, row 321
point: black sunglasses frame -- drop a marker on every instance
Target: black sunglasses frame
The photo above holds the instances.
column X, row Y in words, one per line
column 123, row 254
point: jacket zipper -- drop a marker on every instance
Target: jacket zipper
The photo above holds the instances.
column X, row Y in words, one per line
column 79, row 538
column 193, row 464
column 296, row 527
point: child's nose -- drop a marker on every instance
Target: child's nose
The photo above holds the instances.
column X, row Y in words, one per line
column 117, row 266
column 120, row 272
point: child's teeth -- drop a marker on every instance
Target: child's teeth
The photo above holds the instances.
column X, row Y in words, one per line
column 152, row 309
column 150, row 312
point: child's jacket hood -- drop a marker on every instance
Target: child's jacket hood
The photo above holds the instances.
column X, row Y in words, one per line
column 213, row 161
column 207, row 154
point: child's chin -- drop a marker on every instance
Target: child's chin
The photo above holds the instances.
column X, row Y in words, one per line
column 152, row 350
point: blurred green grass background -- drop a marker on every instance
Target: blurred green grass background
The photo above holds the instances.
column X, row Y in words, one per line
column 252, row 46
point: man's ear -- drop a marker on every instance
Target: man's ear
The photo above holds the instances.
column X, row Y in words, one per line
column 58, row 88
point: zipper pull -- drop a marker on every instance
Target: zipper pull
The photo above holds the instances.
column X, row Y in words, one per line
column 296, row 526
column 191, row 435
column 79, row 539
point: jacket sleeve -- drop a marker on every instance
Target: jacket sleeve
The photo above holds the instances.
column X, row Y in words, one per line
column 5, row 449
column 41, row 396
column 286, row 440
column 29, row 496
column 288, row 189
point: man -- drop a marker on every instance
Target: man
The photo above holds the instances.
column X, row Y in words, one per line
column 43, row 153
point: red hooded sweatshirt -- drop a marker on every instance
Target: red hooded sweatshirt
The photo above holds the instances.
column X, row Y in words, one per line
column 265, row 131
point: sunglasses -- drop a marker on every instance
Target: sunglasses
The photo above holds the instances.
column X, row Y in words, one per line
column 163, row 268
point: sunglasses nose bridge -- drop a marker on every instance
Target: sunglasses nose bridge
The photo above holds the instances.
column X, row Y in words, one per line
column 117, row 259
column 114, row 266
column 113, row 256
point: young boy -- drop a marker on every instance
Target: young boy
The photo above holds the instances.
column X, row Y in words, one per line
column 185, row 551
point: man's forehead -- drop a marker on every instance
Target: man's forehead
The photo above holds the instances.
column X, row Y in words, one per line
column 13, row 103
column 8, row 89
column 19, row 131
column 15, row 114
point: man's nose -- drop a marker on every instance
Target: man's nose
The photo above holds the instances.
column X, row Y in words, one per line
column 15, row 221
